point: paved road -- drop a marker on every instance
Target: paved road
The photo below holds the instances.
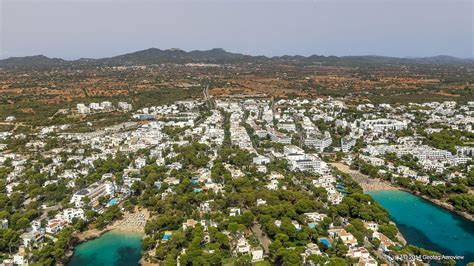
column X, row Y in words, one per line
column 262, row 237
column 48, row 209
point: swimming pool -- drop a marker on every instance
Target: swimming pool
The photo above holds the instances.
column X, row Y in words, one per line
column 166, row 237
column 325, row 242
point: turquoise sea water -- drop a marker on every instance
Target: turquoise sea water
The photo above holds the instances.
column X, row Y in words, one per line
column 112, row 248
column 428, row 226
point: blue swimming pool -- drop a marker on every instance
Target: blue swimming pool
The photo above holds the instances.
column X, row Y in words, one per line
column 325, row 242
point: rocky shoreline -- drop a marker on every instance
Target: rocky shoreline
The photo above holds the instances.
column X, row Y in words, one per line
column 144, row 262
column 79, row 238
column 444, row 205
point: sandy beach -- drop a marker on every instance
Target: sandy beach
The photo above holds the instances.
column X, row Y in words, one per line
column 367, row 183
column 132, row 222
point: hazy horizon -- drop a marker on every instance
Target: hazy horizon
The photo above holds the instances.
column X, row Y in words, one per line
column 96, row 29
column 237, row 52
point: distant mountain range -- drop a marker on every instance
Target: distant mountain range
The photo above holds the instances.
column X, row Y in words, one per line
column 216, row 55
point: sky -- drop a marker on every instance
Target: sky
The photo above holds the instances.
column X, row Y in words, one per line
column 73, row 29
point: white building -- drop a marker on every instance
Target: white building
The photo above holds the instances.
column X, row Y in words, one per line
column 260, row 159
column 124, row 106
column 347, row 143
column 288, row 126
column 257, row 255
column 82, row 108
column 383, row 124
column 20, row 260
column 106, row 105
column 93, row 192
column 10, row 119
column 319, row 141
column 71, row 213
column 279, row 137
column 243, row 246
